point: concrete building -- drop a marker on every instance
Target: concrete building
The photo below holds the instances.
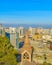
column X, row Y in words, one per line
column 39, row 30
column 46, row 31
column 7, row 30
column 2, row 31
column 13, row 36
column 35, row 30
column 20, row 30
column 13, row 39
column 31, row 31
column 26, row 51
column 37, row 37
column 12, row 30
column 50, row 31
column 47, row 37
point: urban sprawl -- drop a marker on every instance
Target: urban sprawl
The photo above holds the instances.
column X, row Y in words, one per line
column 33, row 44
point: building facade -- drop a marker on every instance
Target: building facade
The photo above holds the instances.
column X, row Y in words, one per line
column 20, row 30
column 2, row 30
column 26, row 51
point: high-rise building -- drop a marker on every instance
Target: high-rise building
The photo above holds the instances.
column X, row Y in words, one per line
column 20, row 30
column 2, row 31
column 13, row 37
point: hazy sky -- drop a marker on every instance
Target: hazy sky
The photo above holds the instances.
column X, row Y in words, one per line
column 26, row 11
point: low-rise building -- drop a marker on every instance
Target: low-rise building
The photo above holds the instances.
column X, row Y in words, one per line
column 37, row 36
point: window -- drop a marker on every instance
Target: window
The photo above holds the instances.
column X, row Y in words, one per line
column 26, row 56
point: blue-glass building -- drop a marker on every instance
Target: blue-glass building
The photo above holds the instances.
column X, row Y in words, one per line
column 13, row 37
column 21, row 44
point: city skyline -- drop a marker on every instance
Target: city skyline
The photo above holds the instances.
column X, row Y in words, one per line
column 26, row 12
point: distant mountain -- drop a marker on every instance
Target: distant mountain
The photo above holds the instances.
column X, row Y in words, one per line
column 27, row 25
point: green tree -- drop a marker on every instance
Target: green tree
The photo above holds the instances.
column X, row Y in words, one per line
column 7, row 52
column 45, row 63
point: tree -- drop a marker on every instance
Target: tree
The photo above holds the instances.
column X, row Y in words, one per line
column 7, row 52
column 45, row 63
column 45, row 58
